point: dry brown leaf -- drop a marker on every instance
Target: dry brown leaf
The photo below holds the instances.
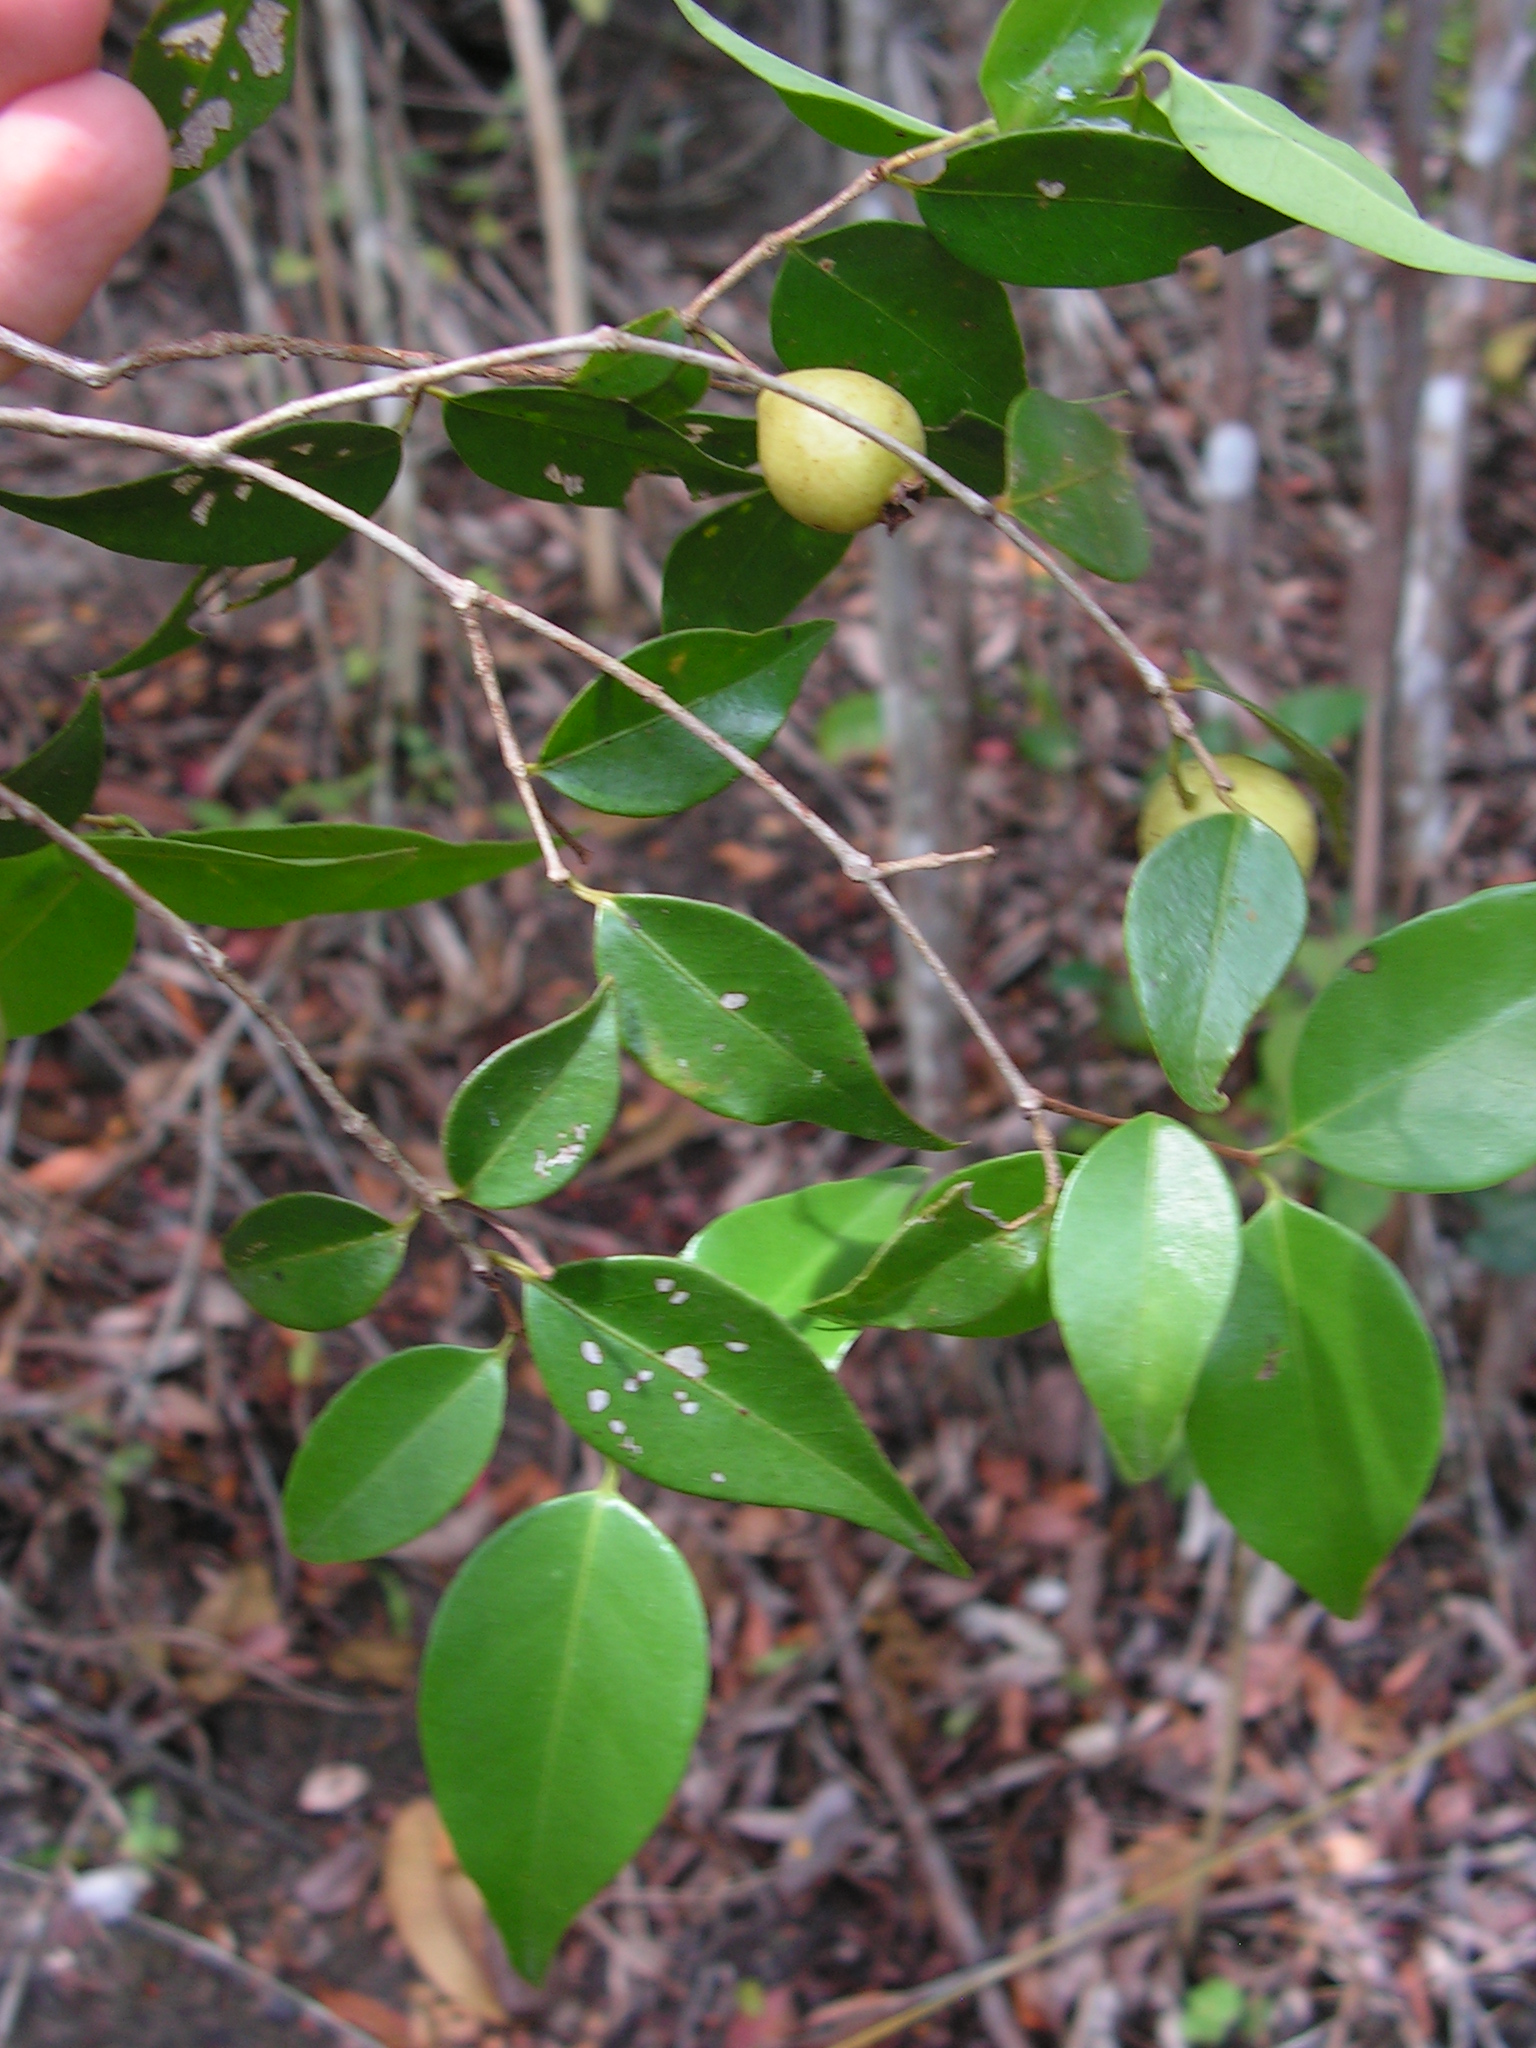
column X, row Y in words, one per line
column 375, row 1660
column 678, row 1124
column 241, row 1609
column 437, row 1924
column 387, row 2026
column 745, row 863
column 338, row 1881
column 67, row 1171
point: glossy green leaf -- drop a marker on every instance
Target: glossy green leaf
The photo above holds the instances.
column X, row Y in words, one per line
column 1144, row 1254
column 314, row 1262
column 394, row 1452
column 1213, row 918
column 1414, row 1067
column 954, row 1266
column 882, row 296
column 530, row 1117
column 735, row 1018
column 973, row 451
column 562, row 1687
column 1048, row 56
column 64, row 939
column 614, row 752
column 867, row 127
column 215, row 74
column 1084, row 206
column 60, row 778
column 791, row 1249
column 575, row 449
column 1070, row 480
column 248, row 877
column 1307, row 758
column 1316, row 1421
column 745, row 566
column 695, row 1384
column 215, row 519
column 174, row 634
column 653, row 383
column 1259, row 147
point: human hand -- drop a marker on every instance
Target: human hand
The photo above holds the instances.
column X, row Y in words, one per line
column 84, row 164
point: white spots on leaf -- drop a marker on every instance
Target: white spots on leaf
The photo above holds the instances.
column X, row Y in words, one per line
column 198, row 39
column 680, row 1297
column 631, row 1386
column 688, row 1407
column 598, row 1398
column 1050, row 188
column 303, row 447
column 630, row 1445
column 199, row 133
column 569, row 1154
column 262, row 37
column 644, row 1374
column 734, row 1344
column 573, row 486
column 202, row 511
column 681, row 1063
column 187, row 483
column 664, row 1283
column 718, row 1478
column 687, row 1359
column 188, row 97
column 591, row 1353
column 733, row 1001
column 717, row 1048
column 618, row 1428
column 1065, row 93
column 243, row 490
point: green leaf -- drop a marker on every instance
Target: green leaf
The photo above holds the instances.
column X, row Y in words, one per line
column 884, row 297
column 727, row 437
column 64, row 939
column 214, row 75
column 654, row 383
column 1505, row 1238
column 745, row 566
column 1320, row 715
column 972, row 450
column 1046, row 56
column 690, row 1382
column 851, row 728
column 1213, row 918
column 574, row 449
column 614, row 752
column 215, row 519
column 1414, row 1069
column 791, row 1249
column 174, row 634
column 530, row 1117
column 397, row 1448
column 563, row 1684
column 954, row 1266
column 1316, row 1421
column 1144, row 1254
column 1309, row 760
column 1260, row 148
column 60, row 778
column 867, row 127
column 733, row 1017
column 314, row 1262
column 248, row 877
column 1084, row 206
column 1070, row 480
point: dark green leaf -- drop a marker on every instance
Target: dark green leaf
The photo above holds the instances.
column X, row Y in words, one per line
column 954, row 1266
column 1048, row 56
column 1084, row 206
column 64, row 939
column 314, row 1262
column 884, row 297
column 215, row 74
column 972, row 450
column 730, row 1015
column 614, row 752
column 574, row 449
column 728, row 437
column 60, row 778
column 1316, row 1421
column 1414, row 1068
column 1144, row 1254
column 654, row 383
column 1322, row 714
column 1308, row 759
column 1070, row 480
column 694, row 1384
column 530, row 1117
column 174, row 634
column 1213, row 918
column 867, row 127
column 791, row 1249
column 563, row 1684
column 745, row 566
column 397, row 1448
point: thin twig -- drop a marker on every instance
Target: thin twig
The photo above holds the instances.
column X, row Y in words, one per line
column 920, row 863
column 1229, row 1742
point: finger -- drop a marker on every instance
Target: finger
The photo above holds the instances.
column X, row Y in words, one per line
column 84, row 167
column 43, row 40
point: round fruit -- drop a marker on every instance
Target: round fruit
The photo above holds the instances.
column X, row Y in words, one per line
column 1263, row 792
column 823, row 473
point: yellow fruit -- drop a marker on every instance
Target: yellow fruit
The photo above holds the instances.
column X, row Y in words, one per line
column 1263, row 792
column 823, row 473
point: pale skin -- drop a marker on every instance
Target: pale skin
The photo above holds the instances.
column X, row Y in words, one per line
column 84, row 164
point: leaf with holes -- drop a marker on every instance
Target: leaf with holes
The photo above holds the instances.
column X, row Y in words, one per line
column 394, row 1452
column 614, row 752
column 572, row 448
column 1212, row 921
column 690, row 1382
column 214, row 75
column 654, row 383
column 1316, row 1421
column 1070, row 481
column 1144, row 1253
column 791, row 1249
column 60, row 778
column 1047, row 57
column 955, row 1265
column 735, row 1018
column 65, row 937
column 530, row 1117
column 562, row 1687
column 1414, row 1070
column 314, row 1262
column 746, row 565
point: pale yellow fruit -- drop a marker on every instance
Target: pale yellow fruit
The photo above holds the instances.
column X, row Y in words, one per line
column 1263, row 792
column 823, row 473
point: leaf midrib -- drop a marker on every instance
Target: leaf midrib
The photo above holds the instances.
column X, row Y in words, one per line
column 392, row 1457
column 554, row 1729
